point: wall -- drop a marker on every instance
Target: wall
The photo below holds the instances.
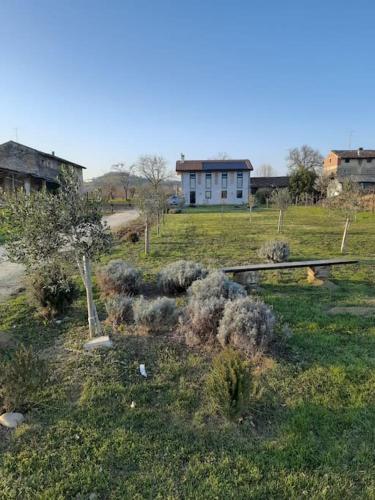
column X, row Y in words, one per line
column 216, row 183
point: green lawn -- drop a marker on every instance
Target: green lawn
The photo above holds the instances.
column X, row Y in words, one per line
column 309, row 434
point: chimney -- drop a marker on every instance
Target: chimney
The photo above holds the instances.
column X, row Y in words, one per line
column 182, row 157
column 359, row 151
column 53, row 153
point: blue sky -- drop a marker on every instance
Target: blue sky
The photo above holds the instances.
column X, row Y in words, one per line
column 103, row 82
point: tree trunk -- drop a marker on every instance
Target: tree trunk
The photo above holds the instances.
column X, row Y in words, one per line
column 158, row 223
column 147, row 238
column 91, row 312
column 344, row 235
column 280, row 221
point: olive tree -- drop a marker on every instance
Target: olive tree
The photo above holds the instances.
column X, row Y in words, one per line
column 281, row 199
column 42, row 227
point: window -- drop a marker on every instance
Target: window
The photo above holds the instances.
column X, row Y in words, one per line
column 208, row 195
column 239, row 194
column 208, row 182
column 224, row 181
column 239, row 181
column 192, row 181
column 347, row 160
column 224, row 194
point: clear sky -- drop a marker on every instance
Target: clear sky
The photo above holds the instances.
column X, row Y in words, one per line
column 104, row 81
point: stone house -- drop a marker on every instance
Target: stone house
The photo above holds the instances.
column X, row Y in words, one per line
column 30, row 169
column 357, row 165
column 214, row 182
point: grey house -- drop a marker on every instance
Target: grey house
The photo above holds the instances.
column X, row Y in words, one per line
column 28, row 168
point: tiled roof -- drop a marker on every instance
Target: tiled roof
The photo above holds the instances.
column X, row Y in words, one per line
column 270, row 182
column 354, row 153
column 212, row 165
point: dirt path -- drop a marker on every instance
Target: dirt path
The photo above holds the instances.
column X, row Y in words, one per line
column 11, row 275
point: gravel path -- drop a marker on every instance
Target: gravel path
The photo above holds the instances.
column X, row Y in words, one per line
column 11, row 275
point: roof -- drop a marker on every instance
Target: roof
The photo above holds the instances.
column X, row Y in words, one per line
column 270, row 182
column 42, row 153
column 212, row 165
column 354, row 153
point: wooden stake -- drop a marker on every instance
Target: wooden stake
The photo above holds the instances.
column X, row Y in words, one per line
column 90, row 302
column 344, row 235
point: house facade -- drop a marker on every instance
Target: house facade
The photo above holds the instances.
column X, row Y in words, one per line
column 270, row 183
column 215, row 182
column 30, row 169
column 357, row 165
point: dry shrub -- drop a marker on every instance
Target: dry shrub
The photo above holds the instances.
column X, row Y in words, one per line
column 200, row 320
column 247, row 324
column 119, row 310
column 216, row 284
column 155, row 316
column 119, row 278
column 51, row 289
column 21, row 379
column 178, row 276
column 132, row 232
column 274, row 251
column 228, row 383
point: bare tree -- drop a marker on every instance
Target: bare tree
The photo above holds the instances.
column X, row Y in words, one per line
column 321, row 185
column 222, row 155
column 265, row 170
column 125, row 174
column 281, row 199
column 154, row 170
column 305, row 157
column 148, row 204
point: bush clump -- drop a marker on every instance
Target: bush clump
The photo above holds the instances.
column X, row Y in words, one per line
column 21, row 378
column 119, row 278
column 274, row 251
column 247, row 324
column 155, row 316
column 201, row 319
column 178, row 276
column 119, row 310
column 51, row 289
column 228, row 383
column 216, row 284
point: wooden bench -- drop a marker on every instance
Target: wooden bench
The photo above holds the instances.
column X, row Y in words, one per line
column 317, row 270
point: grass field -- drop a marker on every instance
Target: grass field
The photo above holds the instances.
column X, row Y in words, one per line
column 310, row 433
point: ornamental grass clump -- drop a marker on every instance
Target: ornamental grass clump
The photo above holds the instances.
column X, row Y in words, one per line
column 247, row 324
column 228, row 384
column 119, row 310
column 216, row 284
column 274, row 251
column 119, row 278
column 178, row 276
column 51, row 289
column 21, row 379
column 155, row 316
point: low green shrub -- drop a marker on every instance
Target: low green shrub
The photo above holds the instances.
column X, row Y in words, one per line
column 118, row 278
column 178, row 276
column 247, row 324
column 51, row 289
column 155, row 316
column 21, row 379
column 119, row 310
column 228, row 384
column 274, row 251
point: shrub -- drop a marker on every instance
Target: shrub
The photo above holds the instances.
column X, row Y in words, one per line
column 51, row 289
column 133, row 231
column 178, row 276
column 21, row 378
column 262, row 195
column 216, row 284
column 247, row 324
column 274, row 251
column 157, row 315
column 119, row 278
column 119, row 310
column 200, row 320
column 228, row 383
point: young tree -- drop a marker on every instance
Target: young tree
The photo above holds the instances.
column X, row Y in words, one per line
column 148, row 204
column 124, row 174
column 305, row 157
column 281, row 199
column 348, row 203
column 154, row 170
column 301, row 182
column 42, row 227
column 321, row 185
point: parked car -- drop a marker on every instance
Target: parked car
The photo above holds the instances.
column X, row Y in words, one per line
column 175, row 201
